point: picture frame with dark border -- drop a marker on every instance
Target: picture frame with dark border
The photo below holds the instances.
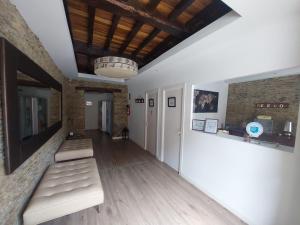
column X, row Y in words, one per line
column 172, row 102
column 205, row 101
column 211, row 126
column 151, row 102
column 198, row 125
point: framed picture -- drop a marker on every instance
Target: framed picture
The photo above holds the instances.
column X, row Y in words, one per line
column 151, row 102
column 211, row 126
column 172, row 102
column 198, row 125
column 205, row 101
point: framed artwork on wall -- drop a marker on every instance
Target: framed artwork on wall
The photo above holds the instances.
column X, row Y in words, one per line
column 198, row 125
column 211, row 126
column 172, row 102
column 205, row 101
column 151, row 102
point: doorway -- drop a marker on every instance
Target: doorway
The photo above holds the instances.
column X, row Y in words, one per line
column 98, row 111
column 151, row 122
column 172, row 126
column 106, row 116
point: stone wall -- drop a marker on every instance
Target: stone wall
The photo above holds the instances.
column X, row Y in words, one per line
column 54, row 107
column 16, row 188
column 76, row 105
column 242, row 98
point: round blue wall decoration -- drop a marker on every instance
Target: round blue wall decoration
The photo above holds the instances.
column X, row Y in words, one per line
column 254, row 129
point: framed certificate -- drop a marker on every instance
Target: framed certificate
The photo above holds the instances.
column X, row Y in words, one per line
column 211, row 126
column 172, row 102
column 198, row 125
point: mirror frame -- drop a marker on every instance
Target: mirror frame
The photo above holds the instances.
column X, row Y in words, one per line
column 13, row 60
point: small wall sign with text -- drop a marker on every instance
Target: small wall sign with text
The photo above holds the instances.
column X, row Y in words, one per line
column 272, row 105
column 139, row 100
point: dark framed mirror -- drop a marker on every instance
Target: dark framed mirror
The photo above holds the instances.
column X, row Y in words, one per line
column 31, row 105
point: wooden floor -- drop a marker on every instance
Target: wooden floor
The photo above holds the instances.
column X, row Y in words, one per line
column 140, row 190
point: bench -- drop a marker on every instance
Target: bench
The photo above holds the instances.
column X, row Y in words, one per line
column 66, row 188
column 75, row 149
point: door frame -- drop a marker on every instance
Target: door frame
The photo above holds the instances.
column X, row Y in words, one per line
column 164, row 90
column 153, row 91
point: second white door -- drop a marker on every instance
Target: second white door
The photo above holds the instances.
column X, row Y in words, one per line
column 172, row 127
column 151, row 122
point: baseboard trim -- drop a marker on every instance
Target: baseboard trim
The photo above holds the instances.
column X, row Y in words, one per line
column 212, row 196
column 117, row 138
column 136, row 143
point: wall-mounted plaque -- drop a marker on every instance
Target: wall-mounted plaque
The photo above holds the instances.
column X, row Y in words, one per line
column 198, row 125
column 211, row 126
column 280, row 105
column 139, row 100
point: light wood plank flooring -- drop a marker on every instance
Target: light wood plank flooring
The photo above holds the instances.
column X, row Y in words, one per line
column 140, row 190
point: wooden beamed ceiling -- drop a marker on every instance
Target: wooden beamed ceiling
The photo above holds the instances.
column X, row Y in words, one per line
column 140, row 30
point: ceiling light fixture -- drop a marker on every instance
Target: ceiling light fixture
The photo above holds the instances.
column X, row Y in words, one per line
column 115, row 67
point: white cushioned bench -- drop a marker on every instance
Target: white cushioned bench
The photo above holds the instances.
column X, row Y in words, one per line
column 66, row 188
column 75, row 149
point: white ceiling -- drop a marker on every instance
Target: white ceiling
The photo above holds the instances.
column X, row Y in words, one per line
column 48, row 21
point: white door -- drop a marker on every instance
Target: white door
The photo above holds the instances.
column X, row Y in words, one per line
column 151, row 123
column 172, row 127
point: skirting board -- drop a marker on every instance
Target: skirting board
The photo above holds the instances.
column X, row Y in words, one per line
column 116, row 138
column 137, row 143
column 247, row 221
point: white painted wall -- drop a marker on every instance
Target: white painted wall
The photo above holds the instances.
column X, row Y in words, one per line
column 220, row 87
column 259, row 184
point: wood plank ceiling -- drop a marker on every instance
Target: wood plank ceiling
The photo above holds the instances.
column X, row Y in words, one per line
column 140, row 30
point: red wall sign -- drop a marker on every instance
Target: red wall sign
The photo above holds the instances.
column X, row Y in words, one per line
column 272, row 105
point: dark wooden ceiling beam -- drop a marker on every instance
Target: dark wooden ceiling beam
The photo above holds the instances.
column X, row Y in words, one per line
column 113, row 27
column 149, row 38
column 82, row 48
column 212, row 12
column 164, row 46
column 91, row 20
column 153, row 4
column 209, row 14
column 179, row 8
column 134, row 10
column 136, row 27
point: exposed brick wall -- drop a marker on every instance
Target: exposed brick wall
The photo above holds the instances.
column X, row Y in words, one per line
column 54, row 109
column 76, row 105
column 242, row 98
column 16, row 188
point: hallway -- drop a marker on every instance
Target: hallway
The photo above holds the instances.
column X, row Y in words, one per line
column 140, row 190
